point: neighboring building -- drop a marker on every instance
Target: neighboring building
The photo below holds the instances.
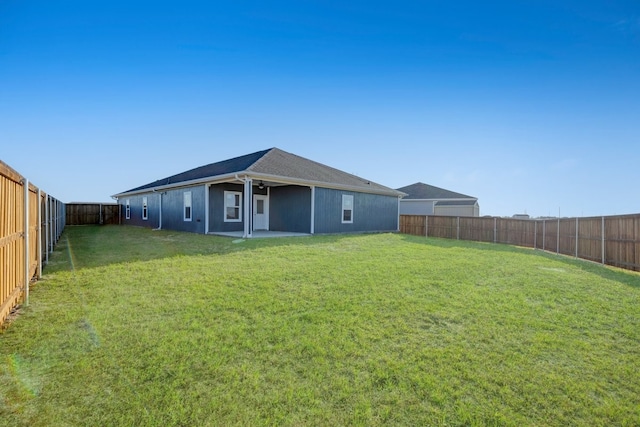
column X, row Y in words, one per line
column 521, row 216
column 267, row 190
column 424, row 199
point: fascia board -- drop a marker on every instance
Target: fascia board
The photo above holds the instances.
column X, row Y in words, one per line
column 276, row 178
column 441, row 200
column 311, row 183
column 191, row 183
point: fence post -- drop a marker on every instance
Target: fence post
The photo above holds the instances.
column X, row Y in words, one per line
column 558, row 238
column 53, row 224
column 426, row 226
column 535, row 235
column 25, row 182
column 458, row 228
column 39, row 244
column 603, row 254
column 50, row 226
column 576, row 237
column 495, row 229
column 58, row 220
column 55, row 219
column 544, row 234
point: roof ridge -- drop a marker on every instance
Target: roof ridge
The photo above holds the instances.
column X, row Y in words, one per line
column 257, row 162
column 328, row 167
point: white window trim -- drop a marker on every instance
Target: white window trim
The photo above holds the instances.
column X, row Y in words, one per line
column 145, row 208
column 346, row 197
column 224, row 212
column 187, row 198
column 127, row 209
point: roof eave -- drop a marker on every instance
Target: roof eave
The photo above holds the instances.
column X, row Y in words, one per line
column 459, row 199
column 263, row 176
column 190, row 183
column 335, row 186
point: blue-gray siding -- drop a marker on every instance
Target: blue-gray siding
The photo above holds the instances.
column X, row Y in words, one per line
column 216, row 208
column 135, row 204
column 290, row 209
column 371, row 212
column 173, row 209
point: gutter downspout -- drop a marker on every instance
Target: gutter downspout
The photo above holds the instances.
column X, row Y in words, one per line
column 398, row 227
column 160, row 211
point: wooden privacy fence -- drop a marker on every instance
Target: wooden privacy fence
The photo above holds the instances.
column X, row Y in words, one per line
column 92, row 213
column 611, row 240
column 31, row 222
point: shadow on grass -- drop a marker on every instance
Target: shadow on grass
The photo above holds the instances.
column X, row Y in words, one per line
column 92, row 246
column 627, row 277
column 95, row 246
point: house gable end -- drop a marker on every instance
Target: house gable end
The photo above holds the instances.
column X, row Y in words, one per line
column 281, row 163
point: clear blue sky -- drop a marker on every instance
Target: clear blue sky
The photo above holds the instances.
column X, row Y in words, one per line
column 529, row 106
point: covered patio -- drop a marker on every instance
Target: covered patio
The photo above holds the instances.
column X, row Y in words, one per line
column 259, row 234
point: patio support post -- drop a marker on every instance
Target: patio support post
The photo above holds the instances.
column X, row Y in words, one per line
column 206, row 207
column 247, row 207
column 313, row 209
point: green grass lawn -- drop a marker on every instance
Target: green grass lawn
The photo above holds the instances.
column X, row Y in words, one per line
column 133, row 327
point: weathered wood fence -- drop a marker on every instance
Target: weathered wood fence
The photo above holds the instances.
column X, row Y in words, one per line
column 92, row 213
column 31, row 222
column 611, row 240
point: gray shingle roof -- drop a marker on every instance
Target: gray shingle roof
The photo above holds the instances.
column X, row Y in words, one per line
column 235, row 165
column 422, row 191
column 277, row 163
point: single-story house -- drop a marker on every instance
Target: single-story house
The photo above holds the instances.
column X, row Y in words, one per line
column 424, row 199
column 267, row 190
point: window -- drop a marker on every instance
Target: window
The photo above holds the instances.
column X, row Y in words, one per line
column 145, row 210
column 347, row 209
column 127, row 209
column 232, row 206
column 187, row 206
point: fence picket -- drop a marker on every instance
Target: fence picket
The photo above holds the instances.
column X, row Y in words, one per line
column 612, row 240
column 23, row 215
